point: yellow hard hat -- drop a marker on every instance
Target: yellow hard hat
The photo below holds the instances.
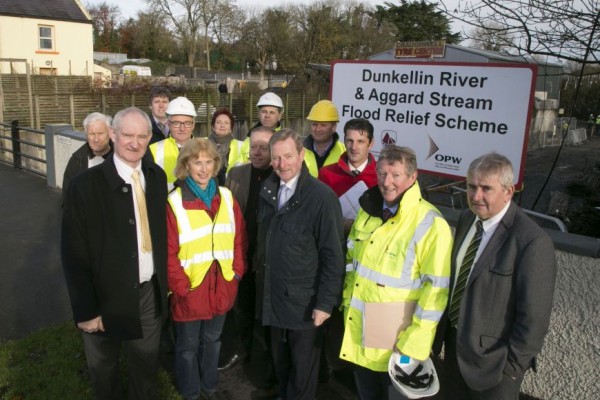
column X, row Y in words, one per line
column 323, row 111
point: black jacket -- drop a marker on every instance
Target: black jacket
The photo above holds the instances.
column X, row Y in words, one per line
column 300, row 252
column 77, row 164
column 99, row 247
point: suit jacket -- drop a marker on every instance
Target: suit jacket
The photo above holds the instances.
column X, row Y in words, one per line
column 99, row 247
column 505, row 308
column 157, row 134
column 238, row 181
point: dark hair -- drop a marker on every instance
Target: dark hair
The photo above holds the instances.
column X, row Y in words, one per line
column 222, row 111
column 360, row 124
column 159, row 91
column 285, row 134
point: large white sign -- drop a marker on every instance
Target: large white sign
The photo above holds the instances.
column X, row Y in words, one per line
column 448, row 113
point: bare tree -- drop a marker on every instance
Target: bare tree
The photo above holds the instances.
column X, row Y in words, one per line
column 492, row 37
column 565, row 29
column 105, row 20
column 194, row 21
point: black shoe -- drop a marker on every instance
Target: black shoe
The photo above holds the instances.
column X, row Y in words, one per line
column 236, row 358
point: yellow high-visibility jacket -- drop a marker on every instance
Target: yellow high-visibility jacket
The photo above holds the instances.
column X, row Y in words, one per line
column 235, row 154
column 404, row 260
column 333, row 157
column 165, row 154
column 202, row 240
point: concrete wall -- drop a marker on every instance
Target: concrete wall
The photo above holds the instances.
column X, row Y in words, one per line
column 72, row 53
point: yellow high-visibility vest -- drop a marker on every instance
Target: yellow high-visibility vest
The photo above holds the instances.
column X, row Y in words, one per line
column 203, row 240
column 333, row 157
column 165, row 153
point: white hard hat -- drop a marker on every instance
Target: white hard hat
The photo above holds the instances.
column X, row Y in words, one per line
column 181, row 106
column 420, row 382
column 270, row 99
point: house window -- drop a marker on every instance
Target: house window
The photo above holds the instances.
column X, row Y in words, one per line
column 46, row 37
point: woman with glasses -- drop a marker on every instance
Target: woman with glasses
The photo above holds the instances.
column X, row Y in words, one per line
column 207, row 246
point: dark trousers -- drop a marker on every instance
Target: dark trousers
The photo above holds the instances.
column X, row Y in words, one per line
column 374, row 385
column 296, row 356
column 454, row 387
column 141, row 355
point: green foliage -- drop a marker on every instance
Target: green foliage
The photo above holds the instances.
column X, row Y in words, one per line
column 417, row 21
column 50, row 364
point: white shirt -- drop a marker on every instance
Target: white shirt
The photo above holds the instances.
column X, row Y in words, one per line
column 291, row 186
column 145, row 260
column 489, row 227
column 360, row 168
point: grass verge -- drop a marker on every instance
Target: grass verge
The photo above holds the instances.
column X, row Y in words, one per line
column 50, row 364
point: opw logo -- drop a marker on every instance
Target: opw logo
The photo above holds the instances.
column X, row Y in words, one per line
column 388, row 137
column 433, row 148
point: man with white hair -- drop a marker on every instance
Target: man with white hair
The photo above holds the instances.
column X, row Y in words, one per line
column 94, row 151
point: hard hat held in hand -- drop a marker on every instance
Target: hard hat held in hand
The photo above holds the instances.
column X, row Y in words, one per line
column 414, row 379
column 270, row 99
column 323, row 111
column 181, row 106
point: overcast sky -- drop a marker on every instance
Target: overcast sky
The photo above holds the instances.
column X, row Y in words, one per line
column 130, row 8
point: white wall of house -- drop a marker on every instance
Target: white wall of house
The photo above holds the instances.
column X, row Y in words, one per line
column 71, row 52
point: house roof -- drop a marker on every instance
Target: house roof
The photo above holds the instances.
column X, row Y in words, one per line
column 61, row 10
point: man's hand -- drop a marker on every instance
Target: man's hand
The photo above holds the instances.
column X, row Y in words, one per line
column 319, row 317
column 91, row 326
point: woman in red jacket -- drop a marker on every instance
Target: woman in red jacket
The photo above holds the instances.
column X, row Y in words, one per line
column 206, row 259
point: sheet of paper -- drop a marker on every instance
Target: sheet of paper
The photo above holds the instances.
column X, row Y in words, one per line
column 349, row 200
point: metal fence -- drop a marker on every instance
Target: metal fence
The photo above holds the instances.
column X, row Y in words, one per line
column 23, row 148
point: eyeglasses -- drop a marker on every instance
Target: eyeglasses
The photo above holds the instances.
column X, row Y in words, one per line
column 177, row 124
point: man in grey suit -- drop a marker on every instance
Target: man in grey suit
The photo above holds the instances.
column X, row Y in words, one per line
column 502, row 285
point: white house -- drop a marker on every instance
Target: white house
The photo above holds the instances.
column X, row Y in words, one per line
column 52, row 37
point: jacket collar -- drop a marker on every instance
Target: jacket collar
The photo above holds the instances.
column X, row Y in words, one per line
column 309, row 142
column 345, row 166
column 271, row 187
column 372, row 200
column 112, row 176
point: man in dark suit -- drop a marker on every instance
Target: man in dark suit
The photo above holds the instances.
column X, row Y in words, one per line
column 502, row 285
column 114, row 251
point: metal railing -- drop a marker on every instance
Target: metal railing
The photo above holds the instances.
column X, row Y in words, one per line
column 12, row 145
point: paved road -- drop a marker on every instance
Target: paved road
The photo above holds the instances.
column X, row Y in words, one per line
column 33, row 294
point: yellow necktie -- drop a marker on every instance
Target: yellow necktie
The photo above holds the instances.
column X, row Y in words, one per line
column 141, row 201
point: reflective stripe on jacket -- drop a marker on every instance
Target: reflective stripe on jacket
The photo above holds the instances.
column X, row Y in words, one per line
column 235, row 154
column 334, row 155
column 202, row 240
column 165, row 154
column 406, row 259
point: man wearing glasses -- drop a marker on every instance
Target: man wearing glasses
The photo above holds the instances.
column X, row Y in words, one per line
column 181, row 113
